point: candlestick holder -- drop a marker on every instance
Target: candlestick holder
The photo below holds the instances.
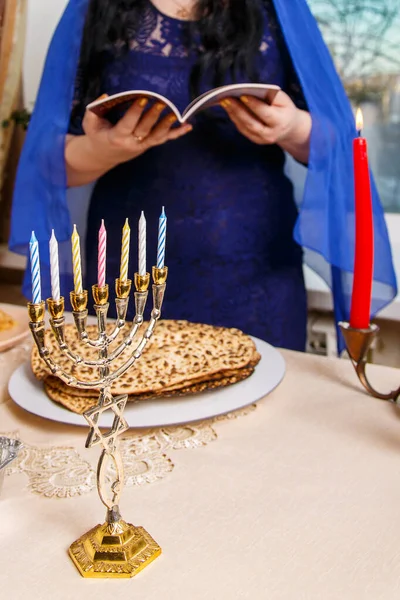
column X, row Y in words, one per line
column 358, row 343
column 116, row 548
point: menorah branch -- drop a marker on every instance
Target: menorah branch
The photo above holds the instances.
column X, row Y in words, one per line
column 104, row 360
column 123, row 290
column 140, row 303
column 136, row 353
column 80, row 313
column 38, row 332
column 57, row 322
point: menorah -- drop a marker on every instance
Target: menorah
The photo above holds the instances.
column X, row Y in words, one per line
column 115, row 548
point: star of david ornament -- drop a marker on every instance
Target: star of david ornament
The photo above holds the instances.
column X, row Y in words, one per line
column 119, row 426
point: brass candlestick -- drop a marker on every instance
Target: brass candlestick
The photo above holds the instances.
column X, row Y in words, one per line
column 114, row 549
column 358, row 343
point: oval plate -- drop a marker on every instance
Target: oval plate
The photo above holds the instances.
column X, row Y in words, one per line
column 28, row 393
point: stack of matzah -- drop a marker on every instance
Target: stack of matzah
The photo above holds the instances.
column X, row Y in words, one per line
column 181, row 358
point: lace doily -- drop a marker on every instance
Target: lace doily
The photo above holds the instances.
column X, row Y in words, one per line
column 62, row 472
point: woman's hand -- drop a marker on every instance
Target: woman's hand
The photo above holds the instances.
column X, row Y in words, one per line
column 134, row 133
column 279, row 123
column 104, row 146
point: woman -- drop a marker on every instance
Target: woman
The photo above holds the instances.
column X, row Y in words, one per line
column 231, row 252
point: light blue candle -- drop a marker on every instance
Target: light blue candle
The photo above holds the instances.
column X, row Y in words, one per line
column 162, row 236
column 35, row 269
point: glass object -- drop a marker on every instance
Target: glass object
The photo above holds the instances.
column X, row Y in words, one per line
column 8, row 452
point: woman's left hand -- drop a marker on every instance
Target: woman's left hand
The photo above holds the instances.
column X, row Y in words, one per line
column 279, row 123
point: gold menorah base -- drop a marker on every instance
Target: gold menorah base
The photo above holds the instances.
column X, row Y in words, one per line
column 114, row 550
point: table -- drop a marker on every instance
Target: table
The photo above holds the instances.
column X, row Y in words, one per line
column 298, row 499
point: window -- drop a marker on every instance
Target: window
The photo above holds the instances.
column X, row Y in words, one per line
column 364, row 39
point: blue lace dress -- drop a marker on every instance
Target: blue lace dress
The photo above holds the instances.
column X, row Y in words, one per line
column 230, row 250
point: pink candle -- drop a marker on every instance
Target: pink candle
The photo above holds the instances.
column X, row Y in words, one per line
column 102, row 256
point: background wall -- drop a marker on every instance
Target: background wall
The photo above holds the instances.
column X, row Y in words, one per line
column 43, row 16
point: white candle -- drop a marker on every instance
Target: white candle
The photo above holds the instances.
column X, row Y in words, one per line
column 54, row 267
column 142, row 244
column 162, row 236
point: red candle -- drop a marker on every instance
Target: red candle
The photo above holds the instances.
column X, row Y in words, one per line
column 364, row 242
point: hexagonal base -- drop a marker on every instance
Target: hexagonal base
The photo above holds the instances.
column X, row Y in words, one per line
column 114, row 550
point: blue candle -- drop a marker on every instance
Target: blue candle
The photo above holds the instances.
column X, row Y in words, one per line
column 35, row 269
column 162, row 236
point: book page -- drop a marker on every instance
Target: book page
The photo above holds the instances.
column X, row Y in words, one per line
column 124, row 100
column 262, row 91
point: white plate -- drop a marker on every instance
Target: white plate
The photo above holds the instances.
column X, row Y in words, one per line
column 28, row 393
column 20, row 330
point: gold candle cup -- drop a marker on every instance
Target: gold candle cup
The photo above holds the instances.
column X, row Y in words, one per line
column 100, row 294
column 56, row 307
column 160, row 275
column 79, row 301
column 142, row 282
column 36, row 312
column 123, row 288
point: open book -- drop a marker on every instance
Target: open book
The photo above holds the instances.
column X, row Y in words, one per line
column 265, row 92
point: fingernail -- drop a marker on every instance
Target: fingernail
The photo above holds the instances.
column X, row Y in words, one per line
column 172, row 119
column 143, row 102
column 188, row 127
column 159, row 106
column 226, row 103
column 244, row 99
column 102, row 97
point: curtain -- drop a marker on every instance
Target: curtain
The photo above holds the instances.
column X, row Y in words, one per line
column 12, row 38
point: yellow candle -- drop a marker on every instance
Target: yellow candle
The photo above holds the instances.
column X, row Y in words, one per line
column 76, row 261
column 126, row 236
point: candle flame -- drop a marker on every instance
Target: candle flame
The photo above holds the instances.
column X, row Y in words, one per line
column 359, row 120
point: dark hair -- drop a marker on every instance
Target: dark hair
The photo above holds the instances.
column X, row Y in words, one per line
column 230, row 30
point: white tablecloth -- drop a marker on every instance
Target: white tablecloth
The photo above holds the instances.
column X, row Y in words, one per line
column 299, row 499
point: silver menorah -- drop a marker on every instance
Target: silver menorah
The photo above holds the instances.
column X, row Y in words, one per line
column 115, row 548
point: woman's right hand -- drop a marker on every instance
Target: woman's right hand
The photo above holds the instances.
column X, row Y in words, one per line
column 134, row 133
column 104, row 146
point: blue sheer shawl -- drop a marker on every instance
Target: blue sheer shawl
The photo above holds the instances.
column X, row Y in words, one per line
column 325, row 227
